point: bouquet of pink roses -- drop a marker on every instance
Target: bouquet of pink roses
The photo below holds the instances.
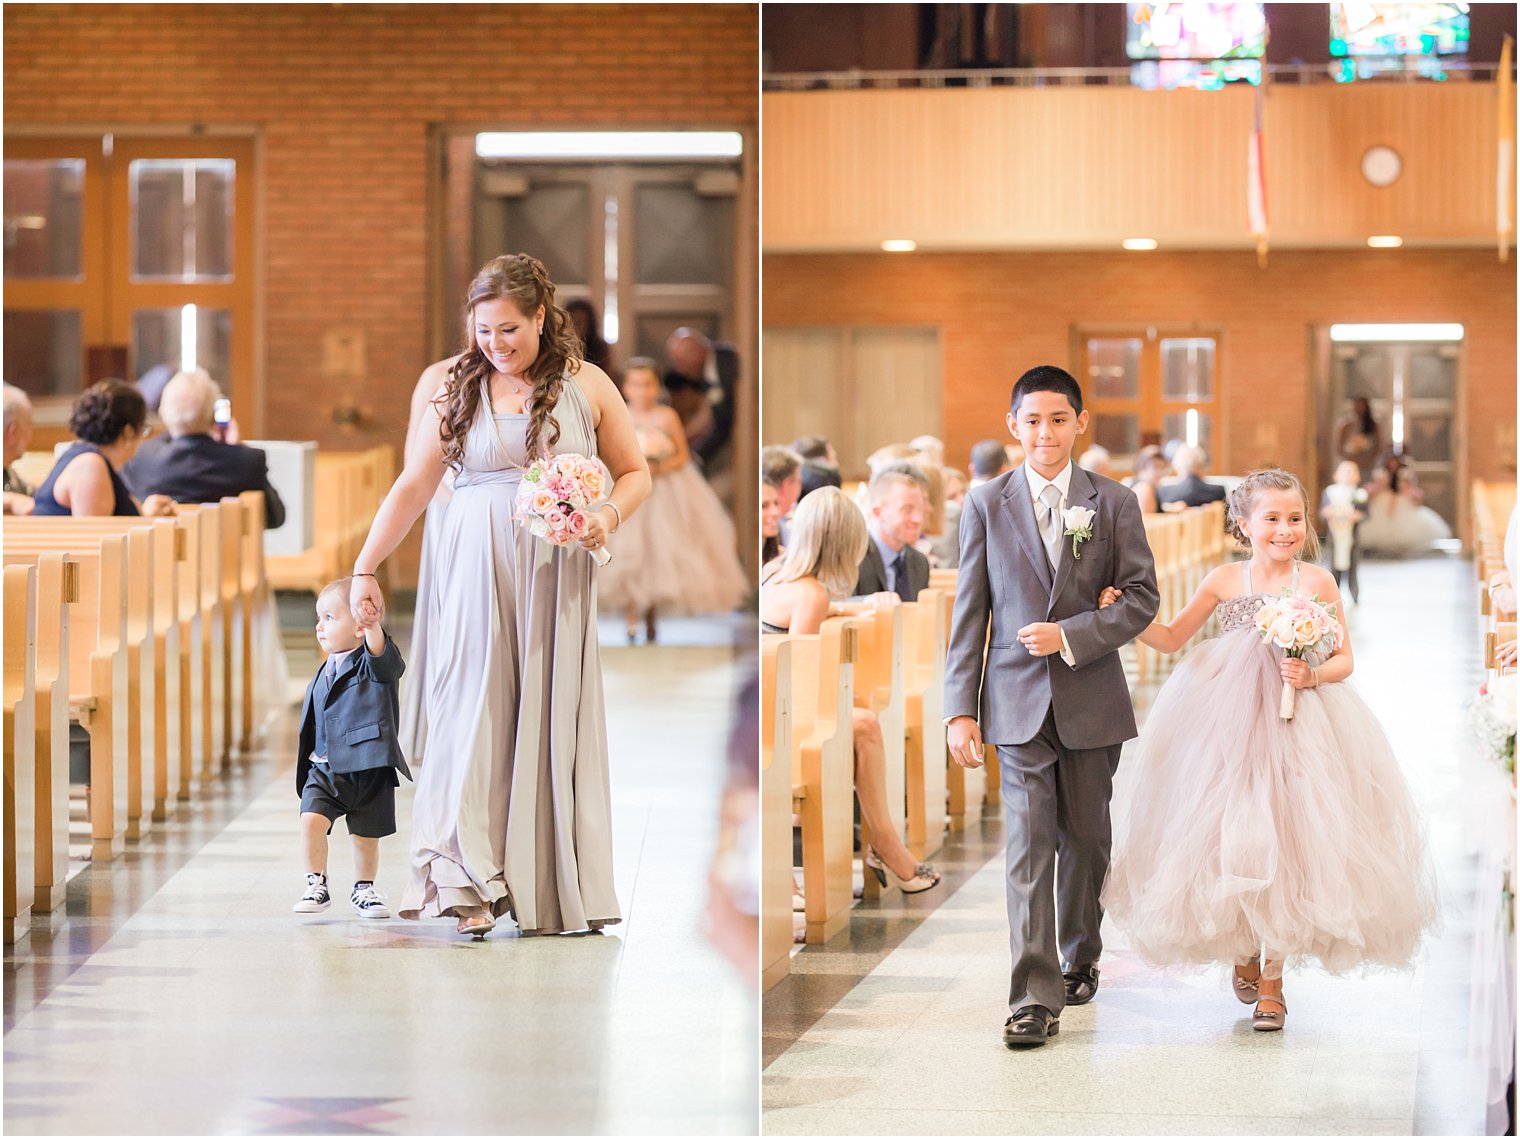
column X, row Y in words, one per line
column 556, row 496
column 1298, row 626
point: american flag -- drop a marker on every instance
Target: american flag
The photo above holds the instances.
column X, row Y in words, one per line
column 1256, row 174
column 1506, row 85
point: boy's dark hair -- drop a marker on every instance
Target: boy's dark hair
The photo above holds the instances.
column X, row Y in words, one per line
column 817, row 474
column 1046, row 378
column 812, row 447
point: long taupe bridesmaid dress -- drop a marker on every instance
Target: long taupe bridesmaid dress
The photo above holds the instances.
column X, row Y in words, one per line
column 512, row 809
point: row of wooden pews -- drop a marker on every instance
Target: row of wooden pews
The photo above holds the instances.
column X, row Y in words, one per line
column 143, row 632
column 893, row 662
column 350, row 485
column 1491, row 507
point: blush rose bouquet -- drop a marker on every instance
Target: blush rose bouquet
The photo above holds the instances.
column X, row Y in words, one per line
column 556, row 496
column 1298, row 626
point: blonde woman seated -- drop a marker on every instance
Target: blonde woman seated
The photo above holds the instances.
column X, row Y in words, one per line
column 825, row 542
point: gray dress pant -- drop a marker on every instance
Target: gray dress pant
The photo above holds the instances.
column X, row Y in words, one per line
column 1055, row 803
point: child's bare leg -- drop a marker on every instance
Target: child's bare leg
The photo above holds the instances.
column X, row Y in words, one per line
column 314, row 841
column 366, row 858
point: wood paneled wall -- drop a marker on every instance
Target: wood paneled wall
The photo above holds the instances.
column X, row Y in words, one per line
column 1085, row 167
column 1001, row 313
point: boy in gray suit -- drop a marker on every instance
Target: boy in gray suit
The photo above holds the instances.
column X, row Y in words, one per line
column 1038, row 545
column 349, row 757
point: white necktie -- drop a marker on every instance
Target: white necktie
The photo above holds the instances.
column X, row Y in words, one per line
column 1051, row 497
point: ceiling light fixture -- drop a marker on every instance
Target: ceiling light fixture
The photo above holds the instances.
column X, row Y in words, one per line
column 1139, row 243
column 899, row 245
column 1385, row 242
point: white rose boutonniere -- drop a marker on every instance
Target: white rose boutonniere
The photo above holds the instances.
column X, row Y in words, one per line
column 1079, row 522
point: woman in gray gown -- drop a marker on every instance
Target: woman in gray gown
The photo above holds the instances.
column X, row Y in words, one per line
column 512, row 813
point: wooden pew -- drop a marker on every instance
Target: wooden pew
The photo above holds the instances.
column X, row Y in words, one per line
column 823, row 770
column 157, row 716
column 776, row 747
column 20, row 867
column 879, row 687
column 350, row 485
column 923, row 719
column 57, row 597
column 211, row 683
column 102, row 685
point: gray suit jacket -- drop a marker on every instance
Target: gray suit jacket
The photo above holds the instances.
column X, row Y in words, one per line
column 873, row 572
column 1005, row 579
column 360, row 715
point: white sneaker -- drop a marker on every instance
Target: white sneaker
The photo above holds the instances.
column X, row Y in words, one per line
column 369, row 902
column 316, row 899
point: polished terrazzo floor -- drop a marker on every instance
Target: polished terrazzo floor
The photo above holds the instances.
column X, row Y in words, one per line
column 177, row 994
column 895, row 1026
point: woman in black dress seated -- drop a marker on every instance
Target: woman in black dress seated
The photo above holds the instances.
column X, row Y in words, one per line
column 109, row 420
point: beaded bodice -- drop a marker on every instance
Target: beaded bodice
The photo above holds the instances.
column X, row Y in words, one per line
column 1239, row 612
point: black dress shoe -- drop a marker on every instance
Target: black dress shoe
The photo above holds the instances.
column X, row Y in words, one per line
column 1032, row 1025
column 1081, row 984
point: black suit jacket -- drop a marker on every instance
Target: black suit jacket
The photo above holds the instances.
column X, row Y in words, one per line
column 873, row 572
column 198, row 468
column 360, row 715
column 1191, row 490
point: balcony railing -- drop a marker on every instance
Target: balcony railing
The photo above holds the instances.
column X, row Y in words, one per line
column 1295, row 73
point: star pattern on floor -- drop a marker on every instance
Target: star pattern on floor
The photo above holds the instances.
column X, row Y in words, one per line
column 324, row 1115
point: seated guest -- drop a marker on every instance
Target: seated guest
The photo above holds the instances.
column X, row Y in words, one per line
column 816, row 447
column 1150, row 469
column 1190, row 489
column 945, row 548
column 192, row 465
column 897, row 505
column 770, row 523
column 828, row 537
column 781, row 467
column 18, row 433
column 109, row 420
column 816, row 474
column 988, row 460
column 1097, row 460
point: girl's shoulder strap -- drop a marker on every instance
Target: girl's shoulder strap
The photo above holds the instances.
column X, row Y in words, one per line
column 1245, row 577
column 1294, row 584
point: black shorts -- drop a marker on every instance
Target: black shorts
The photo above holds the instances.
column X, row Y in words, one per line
column 367, row 799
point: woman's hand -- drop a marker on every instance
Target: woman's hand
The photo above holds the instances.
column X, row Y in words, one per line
column 366, row 601
column 595, row 536
column 884, row 600
column 1296, row 671
column 1109, row 596
column 1504, row 655
column 159, row 506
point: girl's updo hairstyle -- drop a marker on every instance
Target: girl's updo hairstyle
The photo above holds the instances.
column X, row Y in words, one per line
column 106, row 409
column 1242, row 500
column 525, row 282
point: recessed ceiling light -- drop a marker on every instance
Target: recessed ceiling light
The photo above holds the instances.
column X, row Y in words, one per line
column 899, row 245
column 609, row 144
column 1343, row 333
column 1139, row 243
column 1386, row 242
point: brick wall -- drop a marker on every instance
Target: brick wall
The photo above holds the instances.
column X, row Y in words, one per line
column 1002, row 313
column 342, row 97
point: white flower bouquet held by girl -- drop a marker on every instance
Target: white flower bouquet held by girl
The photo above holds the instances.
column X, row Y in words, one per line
column 556, row 497
column 1298, row 626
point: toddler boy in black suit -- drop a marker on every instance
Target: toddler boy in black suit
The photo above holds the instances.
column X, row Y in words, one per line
column 349, row 757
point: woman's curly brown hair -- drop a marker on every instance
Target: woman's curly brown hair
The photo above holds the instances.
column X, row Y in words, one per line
column 524, row 281
column 106, row 409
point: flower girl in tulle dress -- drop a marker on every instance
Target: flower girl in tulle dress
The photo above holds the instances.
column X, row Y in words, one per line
column 1254, row 839
column 678, row 554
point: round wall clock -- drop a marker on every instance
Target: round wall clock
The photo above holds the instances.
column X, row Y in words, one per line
column 1381, row 165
